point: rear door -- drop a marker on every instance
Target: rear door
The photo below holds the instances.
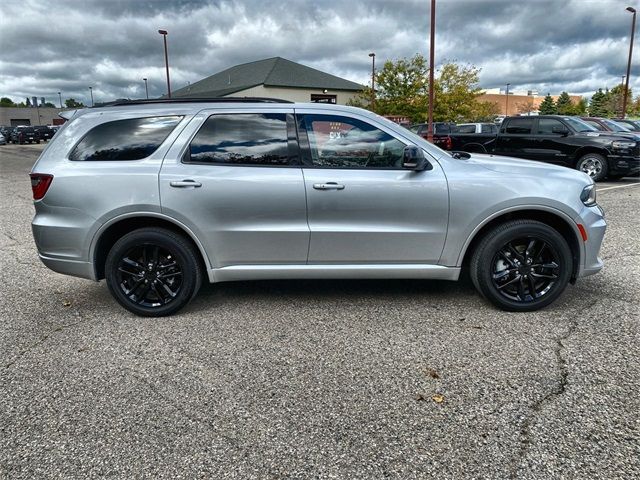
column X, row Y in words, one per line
column 363, row 207
column 235, row 179
column 516, row 138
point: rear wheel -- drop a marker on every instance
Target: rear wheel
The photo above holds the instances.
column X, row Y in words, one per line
column 522, row 265
column 594, row 165
column 153, row 272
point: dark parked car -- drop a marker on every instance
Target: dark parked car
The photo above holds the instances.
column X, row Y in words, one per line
column 24, row 135
column 441, row 131
column 566, row 141
column 6, row 132
column 633, row 125
column 606, row 125
column 45, row 132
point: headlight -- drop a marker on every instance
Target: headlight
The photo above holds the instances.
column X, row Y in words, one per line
column 588, row 195
column 623, row 145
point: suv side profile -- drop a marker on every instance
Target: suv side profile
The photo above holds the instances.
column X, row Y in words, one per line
column 157, row 196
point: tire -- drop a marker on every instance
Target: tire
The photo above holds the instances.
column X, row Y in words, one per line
column 594, row 165
column 616, row 177
column 506, row 267
column 146, row 290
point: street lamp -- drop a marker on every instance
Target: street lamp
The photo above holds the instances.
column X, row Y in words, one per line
column 432, row 49
column 166, row 60
column 146, row 88
column 60, row 98
column 506, row 105
column 91, row 92
column 373, row 80
column 626, row 86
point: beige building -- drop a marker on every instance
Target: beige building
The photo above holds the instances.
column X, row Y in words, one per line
column 518, row 102
column 14, row 116
column 276, row 78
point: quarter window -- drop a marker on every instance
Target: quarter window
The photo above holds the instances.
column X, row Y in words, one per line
column 342, row 142
column 130, row 139
column 546, row 126
column 241, row 139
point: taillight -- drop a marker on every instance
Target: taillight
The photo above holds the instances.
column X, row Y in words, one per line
column 40, row 184
column 448, row 143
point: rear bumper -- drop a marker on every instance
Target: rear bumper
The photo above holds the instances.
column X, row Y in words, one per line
column 69, row 267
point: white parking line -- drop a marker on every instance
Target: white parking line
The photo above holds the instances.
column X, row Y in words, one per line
column 617, row 186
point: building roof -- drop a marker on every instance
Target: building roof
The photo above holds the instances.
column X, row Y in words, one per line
column 270, row 72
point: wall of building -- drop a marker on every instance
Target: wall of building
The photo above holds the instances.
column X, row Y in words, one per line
column 294, row 94
column 11, row 116
column 517, row 102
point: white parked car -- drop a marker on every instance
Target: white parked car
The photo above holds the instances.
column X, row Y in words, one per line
column 3, row 141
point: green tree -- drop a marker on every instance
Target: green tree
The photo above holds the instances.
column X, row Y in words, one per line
column 49, row 105
column 598, row 104
column 7, row 102
column 72, row 103
column 456, row 93
column 580, row 108
column 548, row 106
column 564, row 105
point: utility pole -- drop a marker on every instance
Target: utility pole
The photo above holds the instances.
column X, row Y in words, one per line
column 373, row 80
column 166, row 60
column 506, row 105
column 626, row 86
column 432, row 48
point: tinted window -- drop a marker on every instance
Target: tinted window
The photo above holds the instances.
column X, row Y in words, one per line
column 341, row 142
column 488, row 128
column 131, row 139
column 441, row 128
column 242, row 139
column 519, row 126
column 466, row 128
column 546, row 126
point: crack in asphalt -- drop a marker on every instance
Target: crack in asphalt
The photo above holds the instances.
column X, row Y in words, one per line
column 559, row 389
column 40, row 341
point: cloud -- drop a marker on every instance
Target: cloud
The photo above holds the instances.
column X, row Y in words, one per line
column 69, row 45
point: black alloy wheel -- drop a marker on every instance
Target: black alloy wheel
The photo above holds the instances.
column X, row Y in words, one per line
column 521, row 265
column 153, row 271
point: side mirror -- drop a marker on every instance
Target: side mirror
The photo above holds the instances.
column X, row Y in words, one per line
column 413, row 159
column 560, row 131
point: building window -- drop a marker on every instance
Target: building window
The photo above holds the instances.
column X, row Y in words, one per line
column 324, row 98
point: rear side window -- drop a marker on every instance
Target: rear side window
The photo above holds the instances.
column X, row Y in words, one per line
column 519, row 126
column 258, row 139
column 466, row 129
column 130, row 139
column 488, row 128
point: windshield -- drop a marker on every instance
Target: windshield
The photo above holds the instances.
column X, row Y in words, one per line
column 616, row 127
column 434, row 151
column 579, row 125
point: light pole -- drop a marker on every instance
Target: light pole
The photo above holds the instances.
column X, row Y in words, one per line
column 91, row 92
column 60, row 98
column 146, row 88
column 432, row 49
column 626, row 85
column 506, row 104
column 166, row 60
column 373, row 80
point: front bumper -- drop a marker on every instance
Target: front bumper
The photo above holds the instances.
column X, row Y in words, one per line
column 592, row 218
column 624, row 164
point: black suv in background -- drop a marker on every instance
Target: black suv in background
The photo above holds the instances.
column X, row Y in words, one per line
column 562, row 140
column 24, row 135
column 45, row 132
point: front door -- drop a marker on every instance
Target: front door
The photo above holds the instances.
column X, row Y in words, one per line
column 363, row 207
column 236, row 182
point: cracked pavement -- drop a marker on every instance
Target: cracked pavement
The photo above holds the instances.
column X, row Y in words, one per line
column 316, row 379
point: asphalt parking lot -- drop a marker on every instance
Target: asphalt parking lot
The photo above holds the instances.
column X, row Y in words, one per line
column 317, row 379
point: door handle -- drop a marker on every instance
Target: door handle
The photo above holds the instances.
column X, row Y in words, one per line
column 328, row 186
column 185, row 184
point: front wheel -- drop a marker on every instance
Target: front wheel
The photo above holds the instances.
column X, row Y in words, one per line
column 522, row 265
column 594, row 165
column 153, row 272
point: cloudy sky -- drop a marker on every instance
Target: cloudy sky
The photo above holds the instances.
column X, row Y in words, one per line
column 68, row 45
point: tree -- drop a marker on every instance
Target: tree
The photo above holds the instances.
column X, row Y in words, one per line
column 72, row 103
column 7, row 102
column 526, row 107
column 456, row 93
column 564, row 105
column 548, row 106
column 48, row 105
column 580, row 108
column 597, row 106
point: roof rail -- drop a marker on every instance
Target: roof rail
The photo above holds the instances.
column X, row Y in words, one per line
column 119, row 103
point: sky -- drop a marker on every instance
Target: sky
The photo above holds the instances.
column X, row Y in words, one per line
column 50, row 46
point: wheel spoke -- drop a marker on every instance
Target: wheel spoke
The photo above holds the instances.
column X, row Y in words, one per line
column 528, row 253
column 161, row 297
column 167, row 289
column 169, row 275
column 510, row 282
column 500, row 275
column 521, row 294
column 532, row 287
column 166, row 266
column 133, row 274
column 133, row 289
column 541, row 275
column 515, row 252
column 506, row 258
column 133, row 263
column 144, row 293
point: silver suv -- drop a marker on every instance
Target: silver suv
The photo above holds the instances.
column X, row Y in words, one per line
column 154, row 196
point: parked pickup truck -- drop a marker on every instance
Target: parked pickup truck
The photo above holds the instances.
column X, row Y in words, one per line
column 562, row 140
